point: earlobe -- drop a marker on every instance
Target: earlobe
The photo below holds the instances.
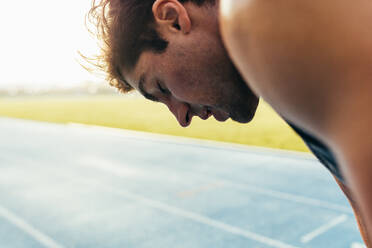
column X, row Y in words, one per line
column 171, row 14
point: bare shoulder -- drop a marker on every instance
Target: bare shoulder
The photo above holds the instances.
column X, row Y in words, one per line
column 301, row 56
column 240, row 16
column 312, row 61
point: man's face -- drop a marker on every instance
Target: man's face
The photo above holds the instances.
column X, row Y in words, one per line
column 194, row 77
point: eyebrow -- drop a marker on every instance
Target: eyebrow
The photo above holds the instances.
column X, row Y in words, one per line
column 141, row 87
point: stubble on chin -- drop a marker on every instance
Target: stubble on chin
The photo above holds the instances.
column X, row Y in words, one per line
column 245, row 110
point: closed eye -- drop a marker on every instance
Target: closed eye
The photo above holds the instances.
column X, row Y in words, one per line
column 162, row 89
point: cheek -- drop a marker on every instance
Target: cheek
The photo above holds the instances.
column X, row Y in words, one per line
column 197, row 77
column 195, row 84
column 181, row 78
column 182, row 84
column 194, row 89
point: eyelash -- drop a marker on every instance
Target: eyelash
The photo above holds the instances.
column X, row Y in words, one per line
column 162, row 90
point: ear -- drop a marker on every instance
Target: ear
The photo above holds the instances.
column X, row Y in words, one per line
column 172, row 15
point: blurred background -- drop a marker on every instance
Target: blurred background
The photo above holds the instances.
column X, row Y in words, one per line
column 41, row 79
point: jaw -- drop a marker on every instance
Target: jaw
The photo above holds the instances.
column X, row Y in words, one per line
column 245, row 114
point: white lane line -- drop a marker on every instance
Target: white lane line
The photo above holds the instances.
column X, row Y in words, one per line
column 321, row 230
column 40, row 237
column 125, row 133
column 289, row 197
column 357, row 245
column 120, row 170
column 193, row 216
column 115, row 169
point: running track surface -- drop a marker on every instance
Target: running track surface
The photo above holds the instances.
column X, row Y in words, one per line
column 79, row 186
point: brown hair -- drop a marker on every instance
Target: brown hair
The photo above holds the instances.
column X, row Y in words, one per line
column 124, row 29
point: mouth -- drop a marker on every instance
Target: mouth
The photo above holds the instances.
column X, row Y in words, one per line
column 206, row 113
column 219, row 115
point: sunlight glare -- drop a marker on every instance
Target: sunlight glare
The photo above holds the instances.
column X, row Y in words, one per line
column 40, row 40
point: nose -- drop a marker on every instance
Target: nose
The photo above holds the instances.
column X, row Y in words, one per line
column 181, row 111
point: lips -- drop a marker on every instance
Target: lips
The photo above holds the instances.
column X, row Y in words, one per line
column 219, row 115
column 205, row 114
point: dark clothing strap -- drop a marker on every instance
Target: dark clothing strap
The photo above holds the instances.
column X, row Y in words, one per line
column 321, row 151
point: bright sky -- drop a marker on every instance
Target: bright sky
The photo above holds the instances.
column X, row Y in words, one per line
column 39, row 41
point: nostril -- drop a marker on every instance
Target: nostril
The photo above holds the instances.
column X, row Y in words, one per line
column 187, row 117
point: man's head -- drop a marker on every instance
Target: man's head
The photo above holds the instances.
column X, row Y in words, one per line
column 171, row 51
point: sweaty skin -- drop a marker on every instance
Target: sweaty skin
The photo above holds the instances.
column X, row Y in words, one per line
column 312, row 62
column 194, row 76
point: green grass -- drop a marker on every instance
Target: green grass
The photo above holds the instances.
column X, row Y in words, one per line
column 267, row 129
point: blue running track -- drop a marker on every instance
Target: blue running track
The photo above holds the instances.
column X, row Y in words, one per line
column 77, row 186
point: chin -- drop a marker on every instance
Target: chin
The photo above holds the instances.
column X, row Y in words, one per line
column 245, row 115
column 243, row 119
